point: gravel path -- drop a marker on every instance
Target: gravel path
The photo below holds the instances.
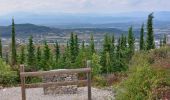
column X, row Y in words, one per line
column 37, row 94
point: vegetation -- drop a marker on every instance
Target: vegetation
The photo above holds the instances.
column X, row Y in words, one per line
column 140, row 74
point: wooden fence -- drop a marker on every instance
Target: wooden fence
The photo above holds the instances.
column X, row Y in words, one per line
column 23, row 75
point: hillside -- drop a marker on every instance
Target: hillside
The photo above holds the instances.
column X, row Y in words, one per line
column 24, row 30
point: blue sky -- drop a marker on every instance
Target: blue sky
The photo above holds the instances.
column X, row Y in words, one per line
column 82, row 6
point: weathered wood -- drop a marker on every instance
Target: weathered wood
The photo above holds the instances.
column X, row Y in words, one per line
column 89, row 79
column 22, row 83
column 55, row 72
column 37, row 85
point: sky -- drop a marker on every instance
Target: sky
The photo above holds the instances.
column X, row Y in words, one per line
column 82, row 6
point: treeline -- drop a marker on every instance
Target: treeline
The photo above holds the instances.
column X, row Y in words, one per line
column 114, row 56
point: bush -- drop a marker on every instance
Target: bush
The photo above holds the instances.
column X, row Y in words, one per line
column 7, row 76
column 140, row 84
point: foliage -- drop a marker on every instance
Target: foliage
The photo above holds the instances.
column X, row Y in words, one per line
column 7, row 76
column 31, row 55
column 96, row 67
column 150, row 43
column 14, row 55
column 142, row 44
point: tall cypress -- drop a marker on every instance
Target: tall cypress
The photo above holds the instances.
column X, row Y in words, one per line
column 150, row 43
column 13, row 58
column 31, row 54
column 142, row 44
column 131, row 41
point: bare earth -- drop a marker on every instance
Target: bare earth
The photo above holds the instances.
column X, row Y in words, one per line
column 37, row 94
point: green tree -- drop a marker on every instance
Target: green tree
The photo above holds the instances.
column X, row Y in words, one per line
column 92, row 47
column 72, row 48
column 46, row 56
column 57, row 52
column 22, row 55
column 164, row 39
column 38, row 57
column 76, row 44
column 13, row 58
column 96, row 67
column 150, row 43
column 31, row 54
column 142, row 44
column 131, row 41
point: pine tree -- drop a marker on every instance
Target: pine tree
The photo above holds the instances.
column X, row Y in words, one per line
column 22, row 55
column 150, row 43
column 131, row 41
column 13, row 58
column 164, row 39
column 92, row 47
column 142, row 44
column 57, row 52
column 31, row 54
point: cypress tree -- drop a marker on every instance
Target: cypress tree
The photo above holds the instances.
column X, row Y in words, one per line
column 31, row 54
column 131, row 41
column 13, row 58
column 92, row 47
column 150, row 43
column 164, row 39
column 142, row 44
column 22, row 55
column 57, row 51
column 83, row 45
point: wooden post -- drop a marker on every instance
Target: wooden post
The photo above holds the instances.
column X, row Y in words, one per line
column 22, row 83
column 89, row 80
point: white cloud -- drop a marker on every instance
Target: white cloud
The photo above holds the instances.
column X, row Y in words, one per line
column 82, row 6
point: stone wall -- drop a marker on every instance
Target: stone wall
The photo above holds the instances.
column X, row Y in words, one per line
column 69, row 89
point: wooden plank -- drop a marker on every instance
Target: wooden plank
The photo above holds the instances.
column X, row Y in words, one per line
column 55, row 72
column 89, row 80
column 37, row 85
column 22, row 83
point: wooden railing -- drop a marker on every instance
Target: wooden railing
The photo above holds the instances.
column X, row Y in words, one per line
column 24, row 74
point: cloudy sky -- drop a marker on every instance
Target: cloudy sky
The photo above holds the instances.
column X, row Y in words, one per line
column 82, row 6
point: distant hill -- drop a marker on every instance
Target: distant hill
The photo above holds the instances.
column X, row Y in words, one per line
column 24, row 30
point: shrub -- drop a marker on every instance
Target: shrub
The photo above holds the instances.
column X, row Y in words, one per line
column 140, row 84
column 7, row 76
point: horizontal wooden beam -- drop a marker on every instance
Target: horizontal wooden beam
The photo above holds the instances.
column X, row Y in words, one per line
column 55, row 72
column 38, row 85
